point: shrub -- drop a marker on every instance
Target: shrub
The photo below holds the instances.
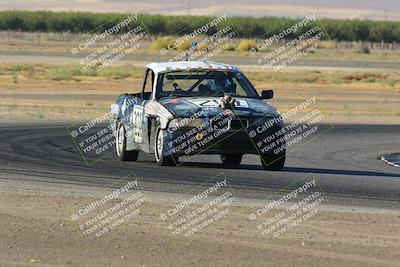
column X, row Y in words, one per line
column 229, row 47
column 184, row 45
column 162, row 43
column 246, row 44
column 365, row 50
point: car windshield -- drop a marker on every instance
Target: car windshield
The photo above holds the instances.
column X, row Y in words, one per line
column 205, row 84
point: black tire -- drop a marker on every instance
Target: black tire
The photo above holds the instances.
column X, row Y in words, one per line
column 159, row 156
column 120, row 144
column 273, row 163
column 231, row 160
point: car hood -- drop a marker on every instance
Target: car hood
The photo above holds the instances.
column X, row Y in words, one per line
column 208, row 107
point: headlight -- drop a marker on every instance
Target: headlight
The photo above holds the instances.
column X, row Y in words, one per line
column 185, row 123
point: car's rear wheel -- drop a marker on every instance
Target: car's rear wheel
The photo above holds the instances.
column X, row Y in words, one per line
column 161, row 159
column 120, row 144
column 273, row 163
column 231, row 160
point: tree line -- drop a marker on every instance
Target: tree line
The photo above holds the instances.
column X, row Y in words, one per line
column 245, row 27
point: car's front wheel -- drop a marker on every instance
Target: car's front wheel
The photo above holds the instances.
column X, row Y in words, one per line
column 161, row 159
column 120, row 144
column 231, row 160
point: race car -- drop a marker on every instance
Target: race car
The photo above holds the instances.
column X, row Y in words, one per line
column 186, row 108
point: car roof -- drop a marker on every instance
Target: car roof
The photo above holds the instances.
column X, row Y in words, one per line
column 189, row 65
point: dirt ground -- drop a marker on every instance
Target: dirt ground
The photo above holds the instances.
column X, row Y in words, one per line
column 36, row 229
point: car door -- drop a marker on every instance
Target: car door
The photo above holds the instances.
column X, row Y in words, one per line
column 140, row 120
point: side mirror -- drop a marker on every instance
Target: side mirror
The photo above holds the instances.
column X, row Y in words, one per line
column 267, row 94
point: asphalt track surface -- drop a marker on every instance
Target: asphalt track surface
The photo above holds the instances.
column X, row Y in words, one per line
column 344, row 159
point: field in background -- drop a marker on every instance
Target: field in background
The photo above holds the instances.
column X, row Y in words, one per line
column 41, row 80
column 27, row 46
column 61, row 41
column 42, row 92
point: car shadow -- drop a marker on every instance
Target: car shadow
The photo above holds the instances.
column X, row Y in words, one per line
column 219, row 166
column 339, row 172
column 290, row 169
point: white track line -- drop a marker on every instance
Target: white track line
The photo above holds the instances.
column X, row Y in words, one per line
column 389, row 162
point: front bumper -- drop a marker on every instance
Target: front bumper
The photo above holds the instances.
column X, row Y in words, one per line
column 192, row 141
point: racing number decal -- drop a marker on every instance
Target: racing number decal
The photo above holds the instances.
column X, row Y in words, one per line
column 137, row 123
column 214, row 103
column 205, row 103
column 137, row 116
